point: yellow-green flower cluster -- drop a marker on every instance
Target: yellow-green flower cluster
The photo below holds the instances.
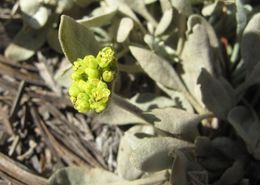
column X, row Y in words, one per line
column 91, row 80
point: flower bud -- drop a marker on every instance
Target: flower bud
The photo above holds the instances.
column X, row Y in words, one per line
column 74, row 89
column 92, row 73
column 106, row 57
column 108, row 76
column 82, row 102
column 91, row 62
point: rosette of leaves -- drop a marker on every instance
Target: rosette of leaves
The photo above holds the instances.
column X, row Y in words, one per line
column 202, row 126
column 40, row 24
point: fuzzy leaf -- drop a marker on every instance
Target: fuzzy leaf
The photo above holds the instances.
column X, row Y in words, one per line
column 183, row 6
column 148, row 101
column 139, row 7
column 179, row 169
column 254, row 76
column 246, row 124
column 125, row 27
column 64, row 5
column 204, row 147
column 124, row 9
column 214, row 95
column 25, row 43
column 165, row 5
column 98, row 21
column 185, row 171
column 250, row 44
column 199, row 20
column 63, row 74
column 211, row 8
column 199, row 177
column 153, row 154
column 128, row 142
column 34, row 14
column 157, row 68
column 83, row 176
column 241, row 16
column 179, row 98
column 197, row 54
column 96, row 176
column 232, row 175
column 252, row 79
column 164, row 22
column 76, row 40
column 178, row 122
column 228, row 147
column 120, row 112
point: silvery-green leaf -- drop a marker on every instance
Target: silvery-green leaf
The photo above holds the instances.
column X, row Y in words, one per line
column 204, row 148
column 34, row 13
column 197, row 54
column 83, row 3
column 63, row 5
column 228, row 147
column 123, row 8
column 229, row 89
column 209, row 9
column 214, row 95
column 153, row 154
column 120, row 112
column 250, row 44
column 164, row 22
column 199, row 20
column 252, row 79
column 125, row 26
column 157, row 68
column 182, row 6
column 186, row 171
column 76, row 40
column 148, row 101
column 254, row 76
column 179, row 169
column 180, row 100
column 215, row 49
column 211, row 157
column 53, row 41
column 63, row 74
column 199, row 177
column 149, row 40
column 234, row 174
column 165, row 5
column 177, row 122
column 128, row 142
column 139, row 7
column 25, row 43
column 246, row 124
column 241, row 16
column 150, row 179
column 83, row 176
column 98, row 21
